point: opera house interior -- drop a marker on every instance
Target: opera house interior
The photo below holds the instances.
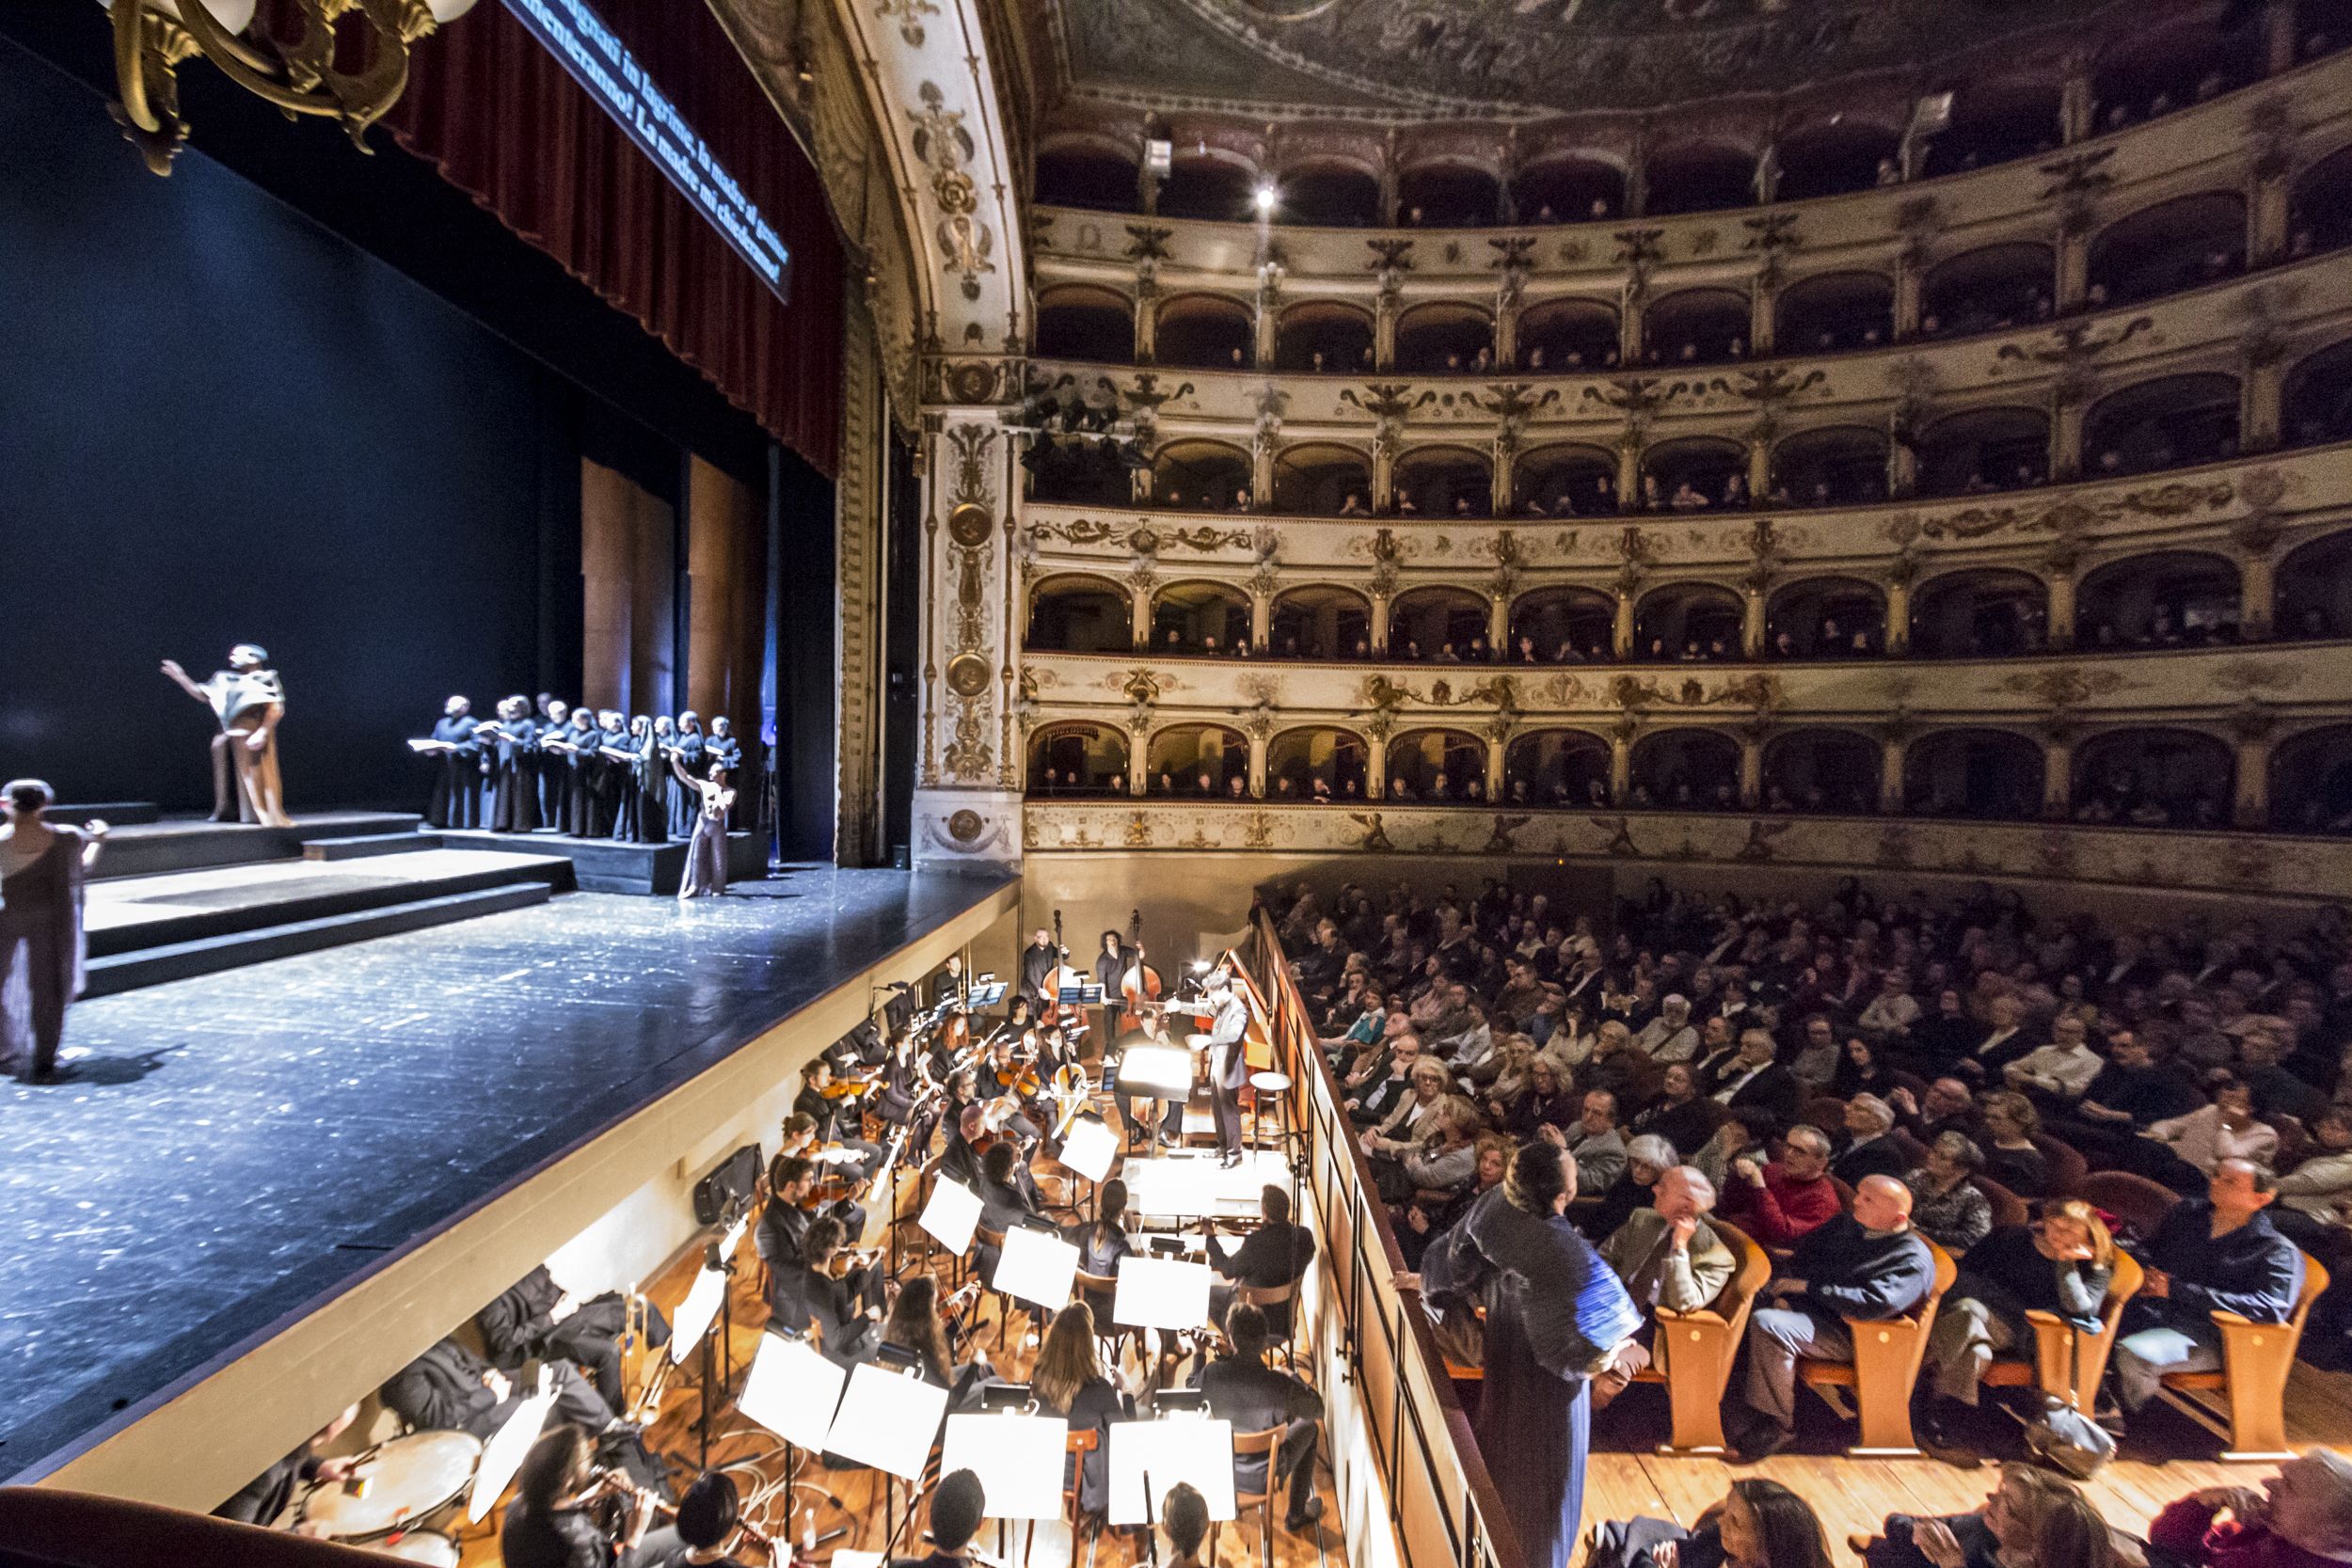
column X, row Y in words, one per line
column 1733, row 619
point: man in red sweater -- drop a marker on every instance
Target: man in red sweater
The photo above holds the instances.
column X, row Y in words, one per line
column 2302, row 1518
column 1788, row 1198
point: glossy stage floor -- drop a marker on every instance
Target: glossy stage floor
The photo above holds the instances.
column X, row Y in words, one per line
column 231, row 1149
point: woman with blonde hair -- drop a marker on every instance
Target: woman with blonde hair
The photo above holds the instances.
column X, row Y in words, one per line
column 2060, row 1264
column 2010, row 1157
column 2032, row 1518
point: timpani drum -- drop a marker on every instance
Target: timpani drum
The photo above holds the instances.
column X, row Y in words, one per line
column 402, row 1484
column 419, row 1546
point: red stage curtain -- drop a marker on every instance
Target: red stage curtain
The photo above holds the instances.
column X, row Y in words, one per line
column 504, row 122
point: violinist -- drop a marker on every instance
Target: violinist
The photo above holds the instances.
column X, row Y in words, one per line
column 1103, row 1241
column 916, row 1324
column 830, row 1184
column 1012, row 1075
column 1007, row 1196
column 786, row 1218
column 832, row 1107
column 842, row 1298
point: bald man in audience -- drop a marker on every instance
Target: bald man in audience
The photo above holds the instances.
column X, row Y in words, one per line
column 1668, row 1256
column 1869, row 1266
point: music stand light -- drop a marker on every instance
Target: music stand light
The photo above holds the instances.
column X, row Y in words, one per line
column 1161, row 1292
column 1160, row 1071
column 1170, row 1449
column 887, row 1420
column 1017, row 1456
column 952, row 1215
column 1036, row 1266
column 1091, row 1147
column 793, row 1391
column 504, row 1453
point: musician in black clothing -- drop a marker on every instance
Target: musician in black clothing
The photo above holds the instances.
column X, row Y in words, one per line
column 548, row 1524
column 846, row 1309
column 957, row 1506
column 1243, row 1389
column 1038, row 962
column 785, row 1219
column 1007, row 1198
column 449, row 1389
column 1274, row 1255
column 537, row 1318
column 800, row 1140
column 833, row 1120
column 710, row 1524
column 961, row 1160
column 271, row 1493
column 950, row 981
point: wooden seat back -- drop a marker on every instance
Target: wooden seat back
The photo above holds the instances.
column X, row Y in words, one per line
column 2069, row 1361
column 2255, row 1361
column 1886, row 1358
column 1694, row 1351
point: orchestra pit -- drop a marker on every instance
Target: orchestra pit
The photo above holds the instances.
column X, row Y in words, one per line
column 1275, row 784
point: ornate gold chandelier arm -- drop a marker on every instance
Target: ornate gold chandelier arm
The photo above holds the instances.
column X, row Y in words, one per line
column 130, row 22
column 359, row 101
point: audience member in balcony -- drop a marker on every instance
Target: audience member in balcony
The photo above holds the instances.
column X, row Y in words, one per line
column 1949, row 1208
column 2220, row 1252
column 1352, row 505
column 1653, row 499
column 1867, row 1266
column 1686, row 499
column 1736, row 491
column 1404, row 506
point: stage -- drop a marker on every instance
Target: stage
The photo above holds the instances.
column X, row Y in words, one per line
column 234, row 1150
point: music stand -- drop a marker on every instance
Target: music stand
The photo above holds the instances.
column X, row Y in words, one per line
column 502, row 1455
column 951, row 1216
column 887, row 1420
column 1091, row 1147
column 1169, row 1449
column 1085, row 993
column 986, row 994
column 1162, row 1073
column 792, row 1391
column 1170, row 1293
column 1036, row 1266
column 1018, row 1458
column 697, row 1312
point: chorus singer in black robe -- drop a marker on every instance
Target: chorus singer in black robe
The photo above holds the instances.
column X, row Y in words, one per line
column 510, row 747
column 570, row 755
column 659, row 788
column 641, row 813
column 607, row 773
column 552, row 769
column 692, row 754
column 457, row 799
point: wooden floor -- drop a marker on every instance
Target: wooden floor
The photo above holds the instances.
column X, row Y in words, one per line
column 2164, row 1456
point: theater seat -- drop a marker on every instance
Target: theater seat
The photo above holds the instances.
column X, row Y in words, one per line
column 2069, row 1362
column 1692, row 1352
column 2065, row 1163
column 2007, row 1208
column 2245, row 1402
column 1885, row 1365
column 2138, row 1202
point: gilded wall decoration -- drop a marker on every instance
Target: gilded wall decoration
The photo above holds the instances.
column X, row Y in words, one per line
column 969, row 756
column 1761, row 834
column 967, row 674
column 909, row 15
column 1080, row 531
column 971, row 444
column 2249, row 676
column 1503, row 839
column 1141, row 685
column 1759, row 689
column 2065, row 686
column 1257, row 831
column 1375, row 838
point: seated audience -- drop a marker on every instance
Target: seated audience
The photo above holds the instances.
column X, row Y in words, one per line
column 1871, row 1148
column 1948, row 1207
column 2060, row 1264
column 2217, row 1253
column 1646, row 1158
column 1759, row 1524
column 2011, row 1156
column 1668, row 1256
column 1867, row 1266
column 2302, row 1518
column 1782, row 1202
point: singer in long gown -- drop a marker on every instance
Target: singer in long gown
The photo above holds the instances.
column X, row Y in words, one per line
column 706, row 873
column 1555, row 1312
column 41, row 945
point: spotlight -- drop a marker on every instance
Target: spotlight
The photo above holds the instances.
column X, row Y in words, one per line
column 1265, row 200
column 1200, row 966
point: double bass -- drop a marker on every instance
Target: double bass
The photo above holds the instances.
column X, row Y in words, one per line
column 1049, row 1007
column 1141, row 983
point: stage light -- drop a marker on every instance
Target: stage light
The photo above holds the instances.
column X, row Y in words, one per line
column 153, row 38
column 1200, row 966
column 1265, row 198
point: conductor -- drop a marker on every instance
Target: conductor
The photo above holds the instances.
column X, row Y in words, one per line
column 1228, row 1066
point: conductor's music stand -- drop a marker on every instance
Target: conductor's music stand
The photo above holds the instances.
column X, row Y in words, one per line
column 1161, row 1072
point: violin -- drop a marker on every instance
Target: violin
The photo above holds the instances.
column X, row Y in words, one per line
column 1019, row 1074
column 847, row 1088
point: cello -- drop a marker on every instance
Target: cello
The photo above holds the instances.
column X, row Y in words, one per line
column 1141, row 983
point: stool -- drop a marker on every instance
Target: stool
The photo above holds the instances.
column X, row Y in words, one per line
column 1278, row 1086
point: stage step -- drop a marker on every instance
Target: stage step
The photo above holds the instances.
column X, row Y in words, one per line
column 182, row 960
column 184, row 845
column 195, row 914
column 365, row 844
column 115, row 814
